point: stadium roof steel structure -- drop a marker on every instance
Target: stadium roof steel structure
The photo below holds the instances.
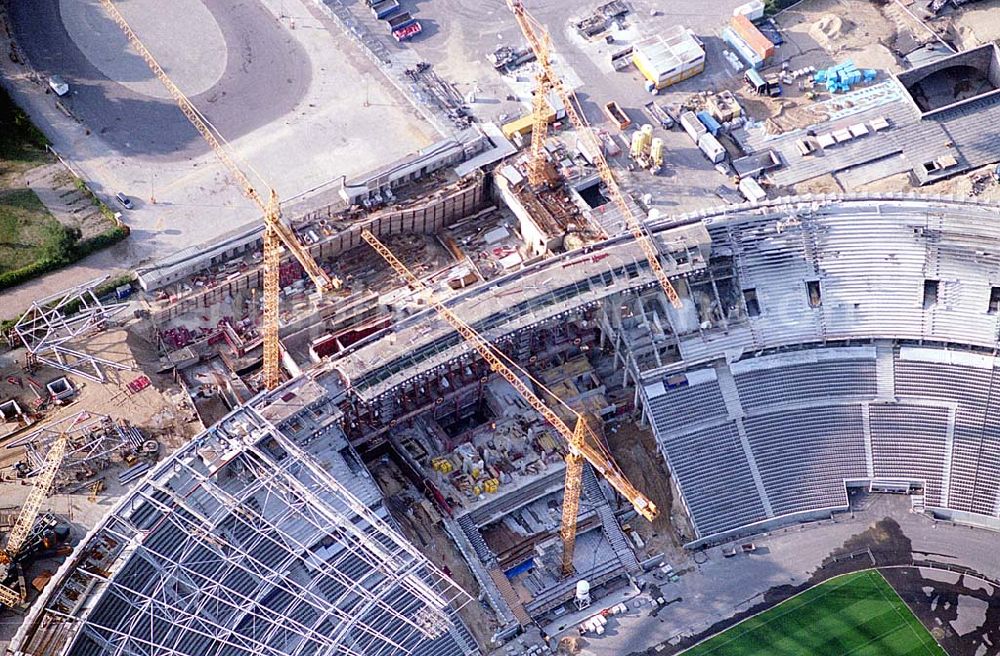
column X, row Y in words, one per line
column 266, row 534
column 251, row 540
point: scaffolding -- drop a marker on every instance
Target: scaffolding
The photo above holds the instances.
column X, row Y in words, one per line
column 244, row 543
column 53, row 324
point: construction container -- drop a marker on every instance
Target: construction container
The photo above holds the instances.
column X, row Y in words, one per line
column 752, row 36
column 742, row 48
column 712, row 148
column 384, row 8
column 656, row 151
column 754, row 10
column 693, row 126
column 709, row 122
column 669, row 58
column 524, row 125
column 638, row 147
column 752, row 190
column 617, row 115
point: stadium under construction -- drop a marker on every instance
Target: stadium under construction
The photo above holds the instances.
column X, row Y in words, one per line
column 798, row 370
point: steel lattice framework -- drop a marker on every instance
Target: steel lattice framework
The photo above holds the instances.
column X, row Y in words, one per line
column 52, row 325
column 243, row 543
column 90, row 438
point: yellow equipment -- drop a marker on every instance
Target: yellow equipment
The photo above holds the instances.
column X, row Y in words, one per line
column 538, row 40
column 95, row 489
column 26, row 518
column 580, row 448
column 276, row 233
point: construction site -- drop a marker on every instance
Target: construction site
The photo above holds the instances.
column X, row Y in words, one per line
column 427, row 409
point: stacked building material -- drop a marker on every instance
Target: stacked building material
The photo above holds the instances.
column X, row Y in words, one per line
column 842, row 77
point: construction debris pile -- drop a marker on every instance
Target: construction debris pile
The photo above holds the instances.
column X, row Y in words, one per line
column 601, row 18
column 427, row 83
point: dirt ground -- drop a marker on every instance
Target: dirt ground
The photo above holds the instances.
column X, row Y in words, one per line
column 977, row 184
column 73, row 207
column 425, row 530
column 635, row 451
column 161, row 410
column 962, row 613
column 977, row 24
column 821, row 32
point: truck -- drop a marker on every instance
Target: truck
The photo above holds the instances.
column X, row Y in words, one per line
column 399, row 21
column 659, row 115
column 384, row 8
column 403, row 26
column 762, row 85
column 617, row 115
column 407, row 32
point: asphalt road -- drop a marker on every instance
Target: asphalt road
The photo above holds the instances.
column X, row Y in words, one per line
column 266, row 73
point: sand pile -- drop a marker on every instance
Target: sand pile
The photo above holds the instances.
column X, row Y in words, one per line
column 829, row 28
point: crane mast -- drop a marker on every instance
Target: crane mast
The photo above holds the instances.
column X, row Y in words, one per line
column 276, row 233
column 579, row 448
column 29, row 511
column 538, row 40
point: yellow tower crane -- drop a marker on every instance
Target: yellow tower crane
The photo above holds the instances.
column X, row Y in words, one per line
column 26, row 518
column 276, row 233
column 539, row 41
column 579, row 447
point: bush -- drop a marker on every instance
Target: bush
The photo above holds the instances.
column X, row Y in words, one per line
column 37, row 268
column 66, row 249
column 103, row 240
column 59, row 242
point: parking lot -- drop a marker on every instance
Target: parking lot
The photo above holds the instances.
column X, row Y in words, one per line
column 297, row 103
column 459, row 36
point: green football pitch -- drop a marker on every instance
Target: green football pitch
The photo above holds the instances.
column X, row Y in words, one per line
column 857, row 614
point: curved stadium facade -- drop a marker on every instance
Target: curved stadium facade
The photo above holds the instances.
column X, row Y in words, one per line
column 824, row 343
